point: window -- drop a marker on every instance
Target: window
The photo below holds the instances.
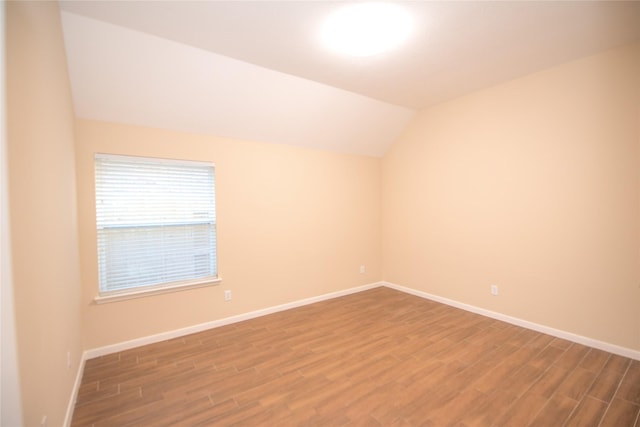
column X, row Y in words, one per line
column 156, row 223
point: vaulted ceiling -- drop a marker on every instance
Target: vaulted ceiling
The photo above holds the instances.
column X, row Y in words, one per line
column 257, row 70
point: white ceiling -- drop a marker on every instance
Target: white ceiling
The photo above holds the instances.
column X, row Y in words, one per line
column 256, row 70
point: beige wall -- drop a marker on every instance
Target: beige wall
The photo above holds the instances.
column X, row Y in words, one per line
column 10, row 399
column 293, row 223
column 532, row 185
column 42, row 192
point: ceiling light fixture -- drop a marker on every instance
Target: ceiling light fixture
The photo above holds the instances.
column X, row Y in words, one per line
column 366, row 29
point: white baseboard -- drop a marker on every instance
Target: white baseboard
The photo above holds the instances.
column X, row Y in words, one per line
column 126, row 345
column 74, row 392
column 590, row 342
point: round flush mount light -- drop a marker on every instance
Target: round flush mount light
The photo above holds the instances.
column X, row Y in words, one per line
column 366, row 29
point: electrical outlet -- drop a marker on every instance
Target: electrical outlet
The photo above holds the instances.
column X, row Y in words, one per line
column 227, row 295
column 68, row 360
column 362, row 269
column 43, row 421
column 494, row 289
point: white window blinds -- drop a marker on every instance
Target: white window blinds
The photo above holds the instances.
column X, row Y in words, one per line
column 156, row 222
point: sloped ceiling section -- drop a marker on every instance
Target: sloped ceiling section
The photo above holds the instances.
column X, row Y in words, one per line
column 454, row 47
column 122, row 75
column 257, row 70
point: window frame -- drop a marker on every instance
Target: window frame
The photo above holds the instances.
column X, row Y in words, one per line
column 159, row 288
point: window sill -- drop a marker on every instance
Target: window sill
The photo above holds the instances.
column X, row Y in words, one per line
column 103, row 299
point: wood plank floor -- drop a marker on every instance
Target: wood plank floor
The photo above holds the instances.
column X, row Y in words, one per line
column 376, row 358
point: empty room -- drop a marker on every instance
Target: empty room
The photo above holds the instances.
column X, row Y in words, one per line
column 320, row 213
